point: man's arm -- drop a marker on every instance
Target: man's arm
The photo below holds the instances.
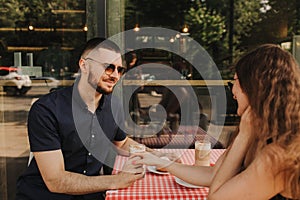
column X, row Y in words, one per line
column 57, row 179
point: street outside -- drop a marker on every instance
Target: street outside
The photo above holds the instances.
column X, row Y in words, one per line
column 14, row 145
column 13, row 132
column 14, row 112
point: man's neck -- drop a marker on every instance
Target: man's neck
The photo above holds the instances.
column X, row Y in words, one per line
column 90, row 96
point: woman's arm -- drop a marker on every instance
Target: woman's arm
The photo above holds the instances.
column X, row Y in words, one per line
column 234, row 159
column 231, row 164
column 257, row 181
column 227, row 166
column 197, row 175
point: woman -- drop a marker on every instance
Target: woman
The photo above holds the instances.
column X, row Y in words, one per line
column 263, row 162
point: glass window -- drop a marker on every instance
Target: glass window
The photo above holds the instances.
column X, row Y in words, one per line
column 40, row 43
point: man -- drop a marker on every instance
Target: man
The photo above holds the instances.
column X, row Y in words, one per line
column 70, row 132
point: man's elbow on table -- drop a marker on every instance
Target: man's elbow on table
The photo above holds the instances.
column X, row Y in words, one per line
column 51, row 167
column 54, row 184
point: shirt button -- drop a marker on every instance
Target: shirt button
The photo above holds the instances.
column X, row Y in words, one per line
column 89, row 153
column 93, row 136
column 84, row 171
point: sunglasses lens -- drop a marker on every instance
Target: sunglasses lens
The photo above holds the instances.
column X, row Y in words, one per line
column 121, row 70
column 110, row 69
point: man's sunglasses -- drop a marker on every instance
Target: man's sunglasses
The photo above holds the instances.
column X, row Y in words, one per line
column 109, row 68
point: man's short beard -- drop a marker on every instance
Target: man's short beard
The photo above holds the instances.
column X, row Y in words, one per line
column 101, row 91
column 98, row 89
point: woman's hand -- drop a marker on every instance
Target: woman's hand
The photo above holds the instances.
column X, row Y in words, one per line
column 173, row 156
column 246, row 124
column 151, row 159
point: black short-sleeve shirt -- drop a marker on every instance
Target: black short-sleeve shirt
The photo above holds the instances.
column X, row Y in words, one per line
column 61, row 120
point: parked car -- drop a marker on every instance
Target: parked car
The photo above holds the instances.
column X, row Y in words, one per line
column 67, row 81
column 43, row 81
column 13, row 81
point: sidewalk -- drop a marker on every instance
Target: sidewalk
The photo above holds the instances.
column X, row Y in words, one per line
column 14, row 151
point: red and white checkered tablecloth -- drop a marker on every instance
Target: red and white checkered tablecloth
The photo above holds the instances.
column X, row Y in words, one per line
column 155, row 186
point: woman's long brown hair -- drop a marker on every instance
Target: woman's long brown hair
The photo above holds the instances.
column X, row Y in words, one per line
column 270, row 77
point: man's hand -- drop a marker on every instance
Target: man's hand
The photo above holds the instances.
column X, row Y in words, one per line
column 130, row 173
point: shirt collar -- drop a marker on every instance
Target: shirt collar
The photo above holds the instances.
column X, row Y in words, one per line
column 79, row 100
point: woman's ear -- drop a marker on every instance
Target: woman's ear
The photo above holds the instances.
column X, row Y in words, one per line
column 82, row 65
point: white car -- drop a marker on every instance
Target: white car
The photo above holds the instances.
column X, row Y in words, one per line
column 13, row 82
column 43, row 81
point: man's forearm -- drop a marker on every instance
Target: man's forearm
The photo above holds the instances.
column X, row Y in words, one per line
column 76, row 184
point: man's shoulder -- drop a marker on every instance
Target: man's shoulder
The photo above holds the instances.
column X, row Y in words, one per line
column 66, row 91
column 55, row 97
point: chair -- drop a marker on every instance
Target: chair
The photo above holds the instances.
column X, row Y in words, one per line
column 30, row 153
column 30, row 158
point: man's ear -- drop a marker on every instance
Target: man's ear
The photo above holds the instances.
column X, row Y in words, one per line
column 82, row 65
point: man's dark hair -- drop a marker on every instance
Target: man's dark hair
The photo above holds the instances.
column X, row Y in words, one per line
column 102, row 43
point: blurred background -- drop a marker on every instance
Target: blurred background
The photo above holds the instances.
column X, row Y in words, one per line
column 40, row 42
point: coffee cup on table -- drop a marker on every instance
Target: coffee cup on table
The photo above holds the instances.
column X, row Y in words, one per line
column 202, row 153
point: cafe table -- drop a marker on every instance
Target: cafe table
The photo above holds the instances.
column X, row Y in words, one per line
column 161, row 186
